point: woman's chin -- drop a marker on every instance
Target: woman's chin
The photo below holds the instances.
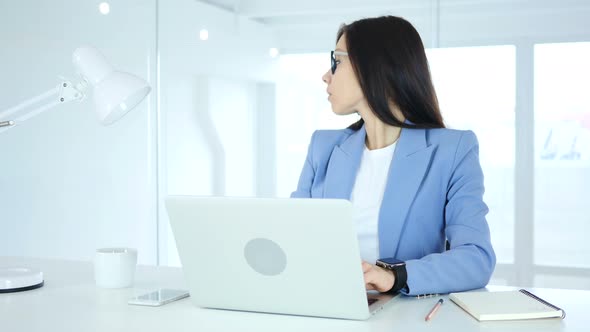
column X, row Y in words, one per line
column 339, row 111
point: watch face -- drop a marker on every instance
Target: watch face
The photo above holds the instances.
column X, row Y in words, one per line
column 398, row 264
column 390, row 263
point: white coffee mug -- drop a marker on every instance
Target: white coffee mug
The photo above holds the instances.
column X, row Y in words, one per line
column 115, row 267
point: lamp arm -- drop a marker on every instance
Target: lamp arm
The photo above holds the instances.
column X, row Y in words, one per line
column 65, row 92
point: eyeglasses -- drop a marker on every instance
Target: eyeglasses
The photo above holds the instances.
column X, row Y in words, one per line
column 334, row 61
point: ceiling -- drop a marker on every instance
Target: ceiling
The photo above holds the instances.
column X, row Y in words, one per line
column 281, row 12
column 310, row 25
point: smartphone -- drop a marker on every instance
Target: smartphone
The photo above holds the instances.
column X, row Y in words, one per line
column 159, row 297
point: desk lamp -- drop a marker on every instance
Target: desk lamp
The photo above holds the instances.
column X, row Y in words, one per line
column 115, row 93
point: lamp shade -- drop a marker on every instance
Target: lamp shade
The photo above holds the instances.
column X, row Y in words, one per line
column 115, row 92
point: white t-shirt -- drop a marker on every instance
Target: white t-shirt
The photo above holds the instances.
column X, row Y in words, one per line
column 366, row 198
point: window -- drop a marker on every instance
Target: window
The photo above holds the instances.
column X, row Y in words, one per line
column 562, row 154
column 476, row 91
column 476, row 87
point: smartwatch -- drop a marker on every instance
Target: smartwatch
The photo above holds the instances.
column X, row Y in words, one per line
column 399, row 271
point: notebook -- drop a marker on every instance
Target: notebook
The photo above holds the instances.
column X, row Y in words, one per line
column 505, row 305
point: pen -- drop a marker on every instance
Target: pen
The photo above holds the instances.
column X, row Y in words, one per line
column 433, row 310
column 6, row 123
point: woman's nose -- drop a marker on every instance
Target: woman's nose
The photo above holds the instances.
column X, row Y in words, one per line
column 326, row 77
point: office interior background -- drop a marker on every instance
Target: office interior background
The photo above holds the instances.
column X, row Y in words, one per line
column 237, row 92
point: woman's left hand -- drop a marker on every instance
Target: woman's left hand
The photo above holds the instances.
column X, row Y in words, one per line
column 377, row 278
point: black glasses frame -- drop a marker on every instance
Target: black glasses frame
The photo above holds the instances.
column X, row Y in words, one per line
column 333, row 61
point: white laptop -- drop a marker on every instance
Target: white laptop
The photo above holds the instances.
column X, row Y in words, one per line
column 274, row 255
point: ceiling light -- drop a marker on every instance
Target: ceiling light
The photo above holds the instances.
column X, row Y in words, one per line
column 204, row 34
column 104, row 8
column 273, row 52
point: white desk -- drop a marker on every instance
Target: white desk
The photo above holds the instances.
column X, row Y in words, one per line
column 69, row 301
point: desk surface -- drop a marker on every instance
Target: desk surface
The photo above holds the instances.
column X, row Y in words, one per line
column 70, row 301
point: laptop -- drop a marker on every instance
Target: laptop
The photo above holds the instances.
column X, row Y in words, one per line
column 272, row 255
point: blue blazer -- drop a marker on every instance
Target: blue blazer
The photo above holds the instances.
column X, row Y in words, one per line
column 434, row 193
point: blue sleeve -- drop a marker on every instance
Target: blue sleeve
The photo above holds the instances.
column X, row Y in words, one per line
column 307, row 174
column 471, row 260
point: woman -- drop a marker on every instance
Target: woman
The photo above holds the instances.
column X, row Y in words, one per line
column 416, row 187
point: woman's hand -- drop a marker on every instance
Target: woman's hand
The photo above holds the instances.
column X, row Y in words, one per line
column 377, row 278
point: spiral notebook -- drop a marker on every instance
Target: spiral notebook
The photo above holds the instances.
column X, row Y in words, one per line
column 505, row 305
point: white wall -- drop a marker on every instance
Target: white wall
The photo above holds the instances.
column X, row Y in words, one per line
column 67, row 184
column 208, row 105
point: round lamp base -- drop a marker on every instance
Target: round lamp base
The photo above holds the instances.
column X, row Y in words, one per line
column 19, row 279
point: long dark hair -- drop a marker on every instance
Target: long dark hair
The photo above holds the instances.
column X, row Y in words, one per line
column 389, row 61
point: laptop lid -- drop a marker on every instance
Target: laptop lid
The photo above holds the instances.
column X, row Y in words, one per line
column 275, row 255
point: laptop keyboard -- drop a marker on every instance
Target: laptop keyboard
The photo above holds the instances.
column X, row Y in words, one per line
column 371, row 301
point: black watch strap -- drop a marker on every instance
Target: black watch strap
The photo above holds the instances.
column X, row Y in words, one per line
column 401, row 279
